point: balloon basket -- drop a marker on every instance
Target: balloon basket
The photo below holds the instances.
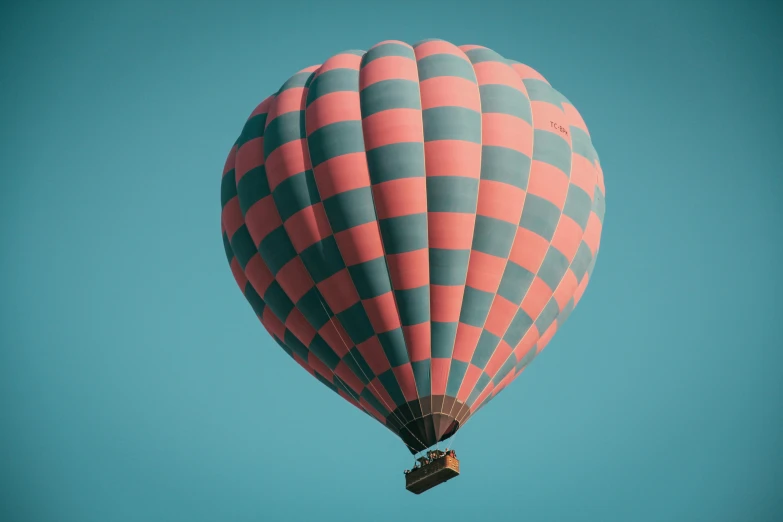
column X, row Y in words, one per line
column 430, row 475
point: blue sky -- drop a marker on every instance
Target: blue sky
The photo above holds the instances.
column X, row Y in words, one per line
column 136, row 385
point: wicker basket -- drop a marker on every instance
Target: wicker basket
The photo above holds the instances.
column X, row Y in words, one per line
column 436, row 472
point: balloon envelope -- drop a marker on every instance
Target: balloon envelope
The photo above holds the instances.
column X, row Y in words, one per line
column 412, row 224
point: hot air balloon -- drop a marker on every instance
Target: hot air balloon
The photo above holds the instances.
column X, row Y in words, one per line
column 412, row 224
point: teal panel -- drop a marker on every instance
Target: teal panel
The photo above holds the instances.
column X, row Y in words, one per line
column 390, row 94
column 350, row 209
column 414, row 305
column 452, row 123
column 404, row 233
column 475, row 307
column 452, row 194
column 505, row 165
column 371, row 278
column 552, row 149
column 393, row 344
column 335, row 139
column 503, row 99
column 443, row 337
column 396, row 161
column 296, row 193
column 448, row 267
column 388, row 49
column 437, row 65
column 335, row 80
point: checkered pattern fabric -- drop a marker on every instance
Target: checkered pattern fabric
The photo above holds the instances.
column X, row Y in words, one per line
column 412, row 224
